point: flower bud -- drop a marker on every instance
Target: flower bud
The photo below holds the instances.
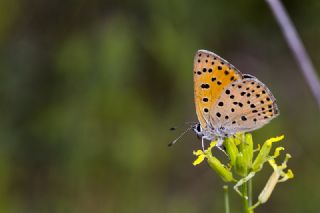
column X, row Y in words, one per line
column 231, row 149
column 220, row 169
column 264, row 153
column 248, row 149
column 241, row 166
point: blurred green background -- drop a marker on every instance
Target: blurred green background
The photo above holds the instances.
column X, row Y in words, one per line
column 89, row 90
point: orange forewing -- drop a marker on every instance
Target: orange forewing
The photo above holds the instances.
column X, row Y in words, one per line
column 211, row 74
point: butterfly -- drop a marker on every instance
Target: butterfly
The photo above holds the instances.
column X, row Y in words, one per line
column 227, row 101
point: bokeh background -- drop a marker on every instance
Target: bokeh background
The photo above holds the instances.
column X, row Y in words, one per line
column 89, row 90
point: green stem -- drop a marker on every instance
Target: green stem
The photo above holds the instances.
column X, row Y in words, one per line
column 245, row 199
column 226, row 198
column 250, row 192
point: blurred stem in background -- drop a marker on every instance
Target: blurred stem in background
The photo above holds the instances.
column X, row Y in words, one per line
column 296, row 46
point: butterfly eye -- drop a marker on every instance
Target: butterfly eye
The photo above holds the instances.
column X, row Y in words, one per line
column 198, row 128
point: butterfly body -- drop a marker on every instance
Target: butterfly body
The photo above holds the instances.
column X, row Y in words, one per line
column 213, row 134
column 227, row 101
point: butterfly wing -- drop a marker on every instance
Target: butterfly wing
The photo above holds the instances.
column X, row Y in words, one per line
column 211, row 75
column 244, row 105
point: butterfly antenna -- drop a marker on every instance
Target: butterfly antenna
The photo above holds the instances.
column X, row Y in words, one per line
column 182, row 134
column 191, row 122
column 185, row 123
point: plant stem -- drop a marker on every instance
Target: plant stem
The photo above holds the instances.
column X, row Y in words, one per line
column 250, row 192
column 245, row 199
column 226, row 198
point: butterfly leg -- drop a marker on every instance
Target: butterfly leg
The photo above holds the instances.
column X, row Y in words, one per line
column 220, row 141
column 220, row 146
column 202, row 143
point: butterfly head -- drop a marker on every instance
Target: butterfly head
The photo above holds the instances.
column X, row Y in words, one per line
column 210, row 134
column 198, row 130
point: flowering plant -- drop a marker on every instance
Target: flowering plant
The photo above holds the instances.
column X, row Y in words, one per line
column 244, row 164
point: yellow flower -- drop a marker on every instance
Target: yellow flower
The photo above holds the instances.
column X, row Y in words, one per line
column 239, row 149
column 262, row 157
column 277, row 176
column 201, row 157
column 214, row 163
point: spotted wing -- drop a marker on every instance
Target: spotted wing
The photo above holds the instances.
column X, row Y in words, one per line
column 245, row 105
column 211, row 74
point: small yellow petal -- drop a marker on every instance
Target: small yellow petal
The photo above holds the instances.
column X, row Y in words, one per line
column 290, row 174
column 198, row 152
column 279, row 169
column 277, row 152
column 257, row 149
column 275, row 139
column 272, row 163
column 199, row 160
column 212, row 144
column 286, row 176
column 263, row 154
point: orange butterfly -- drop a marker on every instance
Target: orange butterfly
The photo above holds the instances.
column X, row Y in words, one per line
column 227, row 101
